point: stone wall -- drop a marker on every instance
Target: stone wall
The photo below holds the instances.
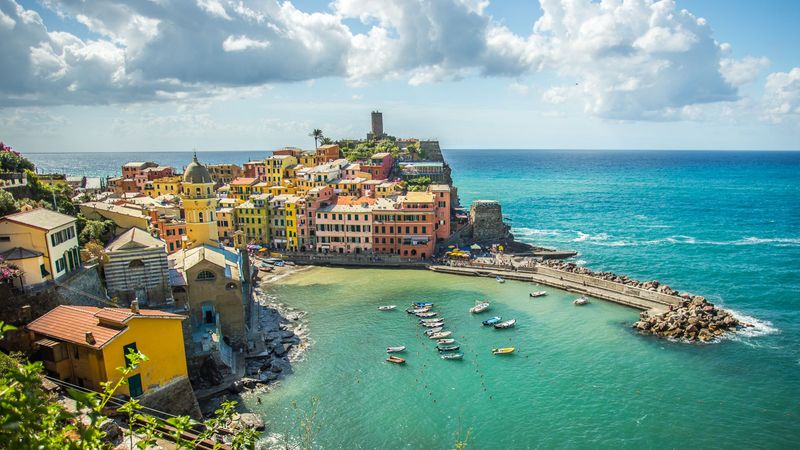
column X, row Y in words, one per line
column 176, row 398
column 486, row 217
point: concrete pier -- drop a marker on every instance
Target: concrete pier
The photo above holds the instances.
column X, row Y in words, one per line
column 582, row 284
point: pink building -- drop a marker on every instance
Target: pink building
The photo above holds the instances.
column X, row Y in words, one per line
column 255, row 169
column 441, row 194
column 379, row 166
column 315, row 199
column 345, row 226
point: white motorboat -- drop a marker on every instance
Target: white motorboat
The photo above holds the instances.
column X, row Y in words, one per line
column 440, row 335
column 387, row 307
column 538, row 294
column 500, row 279
column 479, row 307
column 580, row 301
column 397, row 349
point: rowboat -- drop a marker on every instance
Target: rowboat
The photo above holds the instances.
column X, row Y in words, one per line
column 433, row 330
column 503, row 350
column 418, row 310
column 440, row 334
column 435, row 319
column 396, row 360
column 422, row 304
column 491, row 321
column 452, row 356
column 538, row 294
column 500, row 279
column 580, row 301
column 479, row 307
column 432, row 324
column 426, row 314
column 387, row 307
column 447, row 348
column 397, row 349
column 445, row 341
column 506, row 324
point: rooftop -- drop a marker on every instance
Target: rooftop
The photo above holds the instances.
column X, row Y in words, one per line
column 40, row 218
column 419, row 197
column 242, row 181
column 119, row 209
column 18, row 253
column 135, row 238
column 71, row 323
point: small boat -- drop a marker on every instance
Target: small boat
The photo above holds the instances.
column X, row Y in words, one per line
column 538, row 294
column 440, row 335
column 447, row 348
column 433, row 319
column 387, row 307
column 452, row 356
column 418, row 310
column 479, row 307
column 397, row 349
column 422, row 304
column 491, row 321
column 445, row 341
column 580, row 301
column 426, row 314
column 432, row 324
column 266, row 268
column 503, row 350
column 396, row 360
column 500, row 279
column 433, row 330
column 506, row 324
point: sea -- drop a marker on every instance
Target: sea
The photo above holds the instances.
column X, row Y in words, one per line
column 715, row 223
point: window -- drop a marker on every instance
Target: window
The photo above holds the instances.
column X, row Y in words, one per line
column 136, row 264
column 206, row 276
column 5, row 238
column 230, row 286
column 127, row 350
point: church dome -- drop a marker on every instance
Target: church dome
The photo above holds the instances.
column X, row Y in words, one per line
column 196, row 173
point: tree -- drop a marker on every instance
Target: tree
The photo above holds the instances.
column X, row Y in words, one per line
column 7, row 203
column 96, row 230
column 317, row 135
column 11, row 161
column 326, row 140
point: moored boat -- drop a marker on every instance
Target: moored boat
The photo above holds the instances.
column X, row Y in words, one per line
column 432, row 324
column 426, row 314
column 479, row 307
column 397, row 349
column 538, row 294
column 421, row 304
column 433, row 330
column 440, row 334
column 396, row 360
column 500, row 279
column 433, row 319
column 503, row 350
column 491, row 321
column 452, row 356
column 387, row 307
column 445, row 341
column 580, row 301
column 506, row 324
column 447, row 348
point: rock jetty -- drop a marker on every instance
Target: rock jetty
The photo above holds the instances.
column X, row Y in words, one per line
column 652, row 285
column 692, row 320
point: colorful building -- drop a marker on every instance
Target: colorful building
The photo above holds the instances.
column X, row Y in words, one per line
column 255, row 169
column 199, row 206
column 224, row 173
column 252, row 218
column 163, row 186
column 136, row 269
column 85, row 345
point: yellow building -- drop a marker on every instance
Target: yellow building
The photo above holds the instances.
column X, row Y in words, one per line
column 292, row 234
column 84, row 345
column 226, row 224
column 126, row 216
column 252, row 218
column 163, row 186
column 199, row 206
column 276, row 167
column 242, row 188
column 307, row 159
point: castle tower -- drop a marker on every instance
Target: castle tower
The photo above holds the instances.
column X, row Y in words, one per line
column 377, row 125
column 199, row 206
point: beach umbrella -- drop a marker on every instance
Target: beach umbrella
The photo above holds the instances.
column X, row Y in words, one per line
column 262, row 249
column 475, row 247
column 451, row 246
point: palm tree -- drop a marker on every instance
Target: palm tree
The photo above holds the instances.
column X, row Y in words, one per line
column 317, row 135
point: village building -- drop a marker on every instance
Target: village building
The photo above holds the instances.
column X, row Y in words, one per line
column 137, row 269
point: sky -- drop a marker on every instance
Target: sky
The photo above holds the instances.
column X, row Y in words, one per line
column 161, row 75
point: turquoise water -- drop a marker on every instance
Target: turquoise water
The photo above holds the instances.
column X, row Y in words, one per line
column 720, row 224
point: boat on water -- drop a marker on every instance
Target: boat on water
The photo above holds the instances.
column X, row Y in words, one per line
column 421, row 304
column 445, row 341
column 396, row 360
column 433, row 330
column 479, row 307
column 503, row 350
column 500, row 279
column 387, row 307
column 440, row 334
column 432, row 324
column 414, row 310
column 580, row 301
column 506, row 324
column 538, row 294
column 397, row 349
column 491, row 321
column 426, row 314
column 447, row 348
column 433, row 319
column 452, row 356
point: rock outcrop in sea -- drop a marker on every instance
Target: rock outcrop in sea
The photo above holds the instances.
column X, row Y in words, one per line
column 691, row 320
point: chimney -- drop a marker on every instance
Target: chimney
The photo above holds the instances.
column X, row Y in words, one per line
column 135, row 306
column 90, row 338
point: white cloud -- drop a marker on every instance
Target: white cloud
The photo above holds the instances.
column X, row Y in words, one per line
column 242, row 43
column 782, row 96
column 739, row 72
column 213, row 8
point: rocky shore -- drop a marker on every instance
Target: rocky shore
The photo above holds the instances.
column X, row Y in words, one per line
column 692, row 320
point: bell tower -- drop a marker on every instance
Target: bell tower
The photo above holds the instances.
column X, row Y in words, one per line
column 199, row 206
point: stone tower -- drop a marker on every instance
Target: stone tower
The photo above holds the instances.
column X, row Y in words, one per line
column 377, row 124
column 199, row 206
column 486, row 218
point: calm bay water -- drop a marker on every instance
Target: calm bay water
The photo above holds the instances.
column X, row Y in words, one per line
column 721, row 224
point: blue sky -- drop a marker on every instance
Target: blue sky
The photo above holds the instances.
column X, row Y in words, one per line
column 225, row 75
